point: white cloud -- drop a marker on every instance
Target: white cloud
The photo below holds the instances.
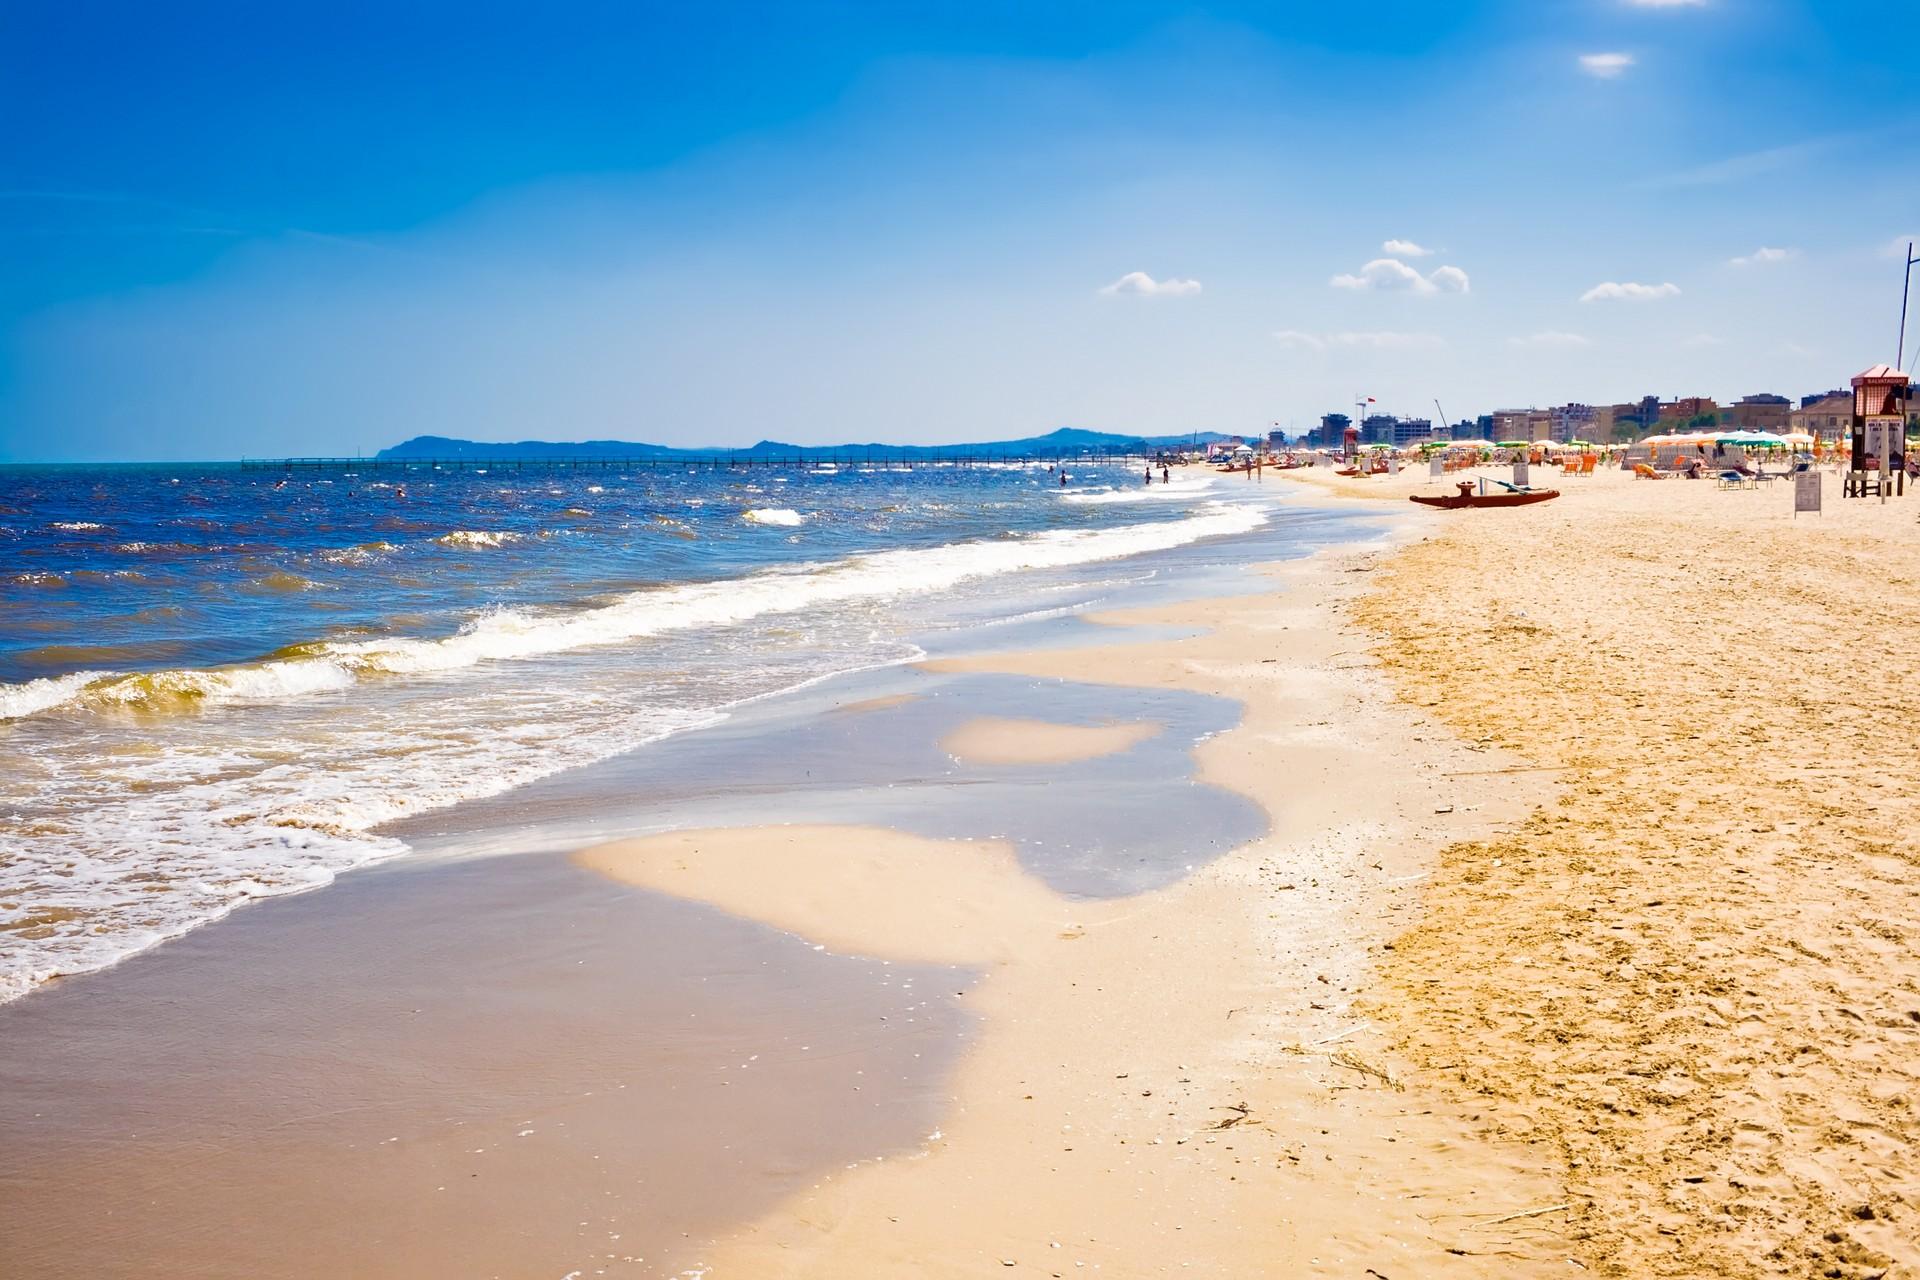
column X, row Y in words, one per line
column 1551, row 338
column 1762, row 256
column 1140, row 284
column 1382, row 339
column 1393, row 274
column 1605, row 66
column 1629, row 292
column 1898, row 246
column 1404, row 249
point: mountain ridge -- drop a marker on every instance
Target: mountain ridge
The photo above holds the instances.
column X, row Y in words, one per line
column 1065, row 441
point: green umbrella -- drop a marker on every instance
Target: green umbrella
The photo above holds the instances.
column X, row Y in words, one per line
column 1511, row 444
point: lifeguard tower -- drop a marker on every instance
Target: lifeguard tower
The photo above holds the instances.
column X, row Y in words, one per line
column 1878, row 466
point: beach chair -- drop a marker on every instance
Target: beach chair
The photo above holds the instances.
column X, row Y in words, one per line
column 1735, row 480
column 1641, row 471
column 1588, row 463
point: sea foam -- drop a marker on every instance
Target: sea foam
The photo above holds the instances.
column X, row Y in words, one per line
column 516, row 633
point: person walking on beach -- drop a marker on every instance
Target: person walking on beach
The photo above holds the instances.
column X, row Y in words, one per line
column 1163, row 474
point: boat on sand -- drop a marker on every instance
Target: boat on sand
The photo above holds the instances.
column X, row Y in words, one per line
column 1468, row 498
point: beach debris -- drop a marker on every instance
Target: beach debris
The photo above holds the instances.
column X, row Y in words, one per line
column 1524, row 1213
column 1354, row 1062
column 1241, row 1112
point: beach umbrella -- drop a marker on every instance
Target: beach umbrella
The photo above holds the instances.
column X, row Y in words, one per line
column 1511, row 444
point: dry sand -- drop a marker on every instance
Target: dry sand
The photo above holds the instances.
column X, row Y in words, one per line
column 996, row 740
column 1691, row 978
column 1175, row 1083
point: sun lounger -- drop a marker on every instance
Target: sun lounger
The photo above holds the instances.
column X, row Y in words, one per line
column 1641, row 471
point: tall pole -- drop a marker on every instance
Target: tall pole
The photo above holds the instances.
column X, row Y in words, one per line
column 1900, row 356
column 1906, row 283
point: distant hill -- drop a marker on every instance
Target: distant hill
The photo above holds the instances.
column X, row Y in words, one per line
column 1067, row 441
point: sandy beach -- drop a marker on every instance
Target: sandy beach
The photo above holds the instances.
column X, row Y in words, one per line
column 1180, row 1080
column 1688, row 979
column 1591, row 951
column 1578, row 941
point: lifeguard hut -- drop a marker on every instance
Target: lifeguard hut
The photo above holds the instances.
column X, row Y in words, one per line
column 1879, row 433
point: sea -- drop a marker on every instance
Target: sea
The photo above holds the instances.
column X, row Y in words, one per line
column 218, row 684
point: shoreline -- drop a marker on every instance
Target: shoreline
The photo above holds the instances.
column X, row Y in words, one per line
column 1184, row 1080
column 1183, row 1067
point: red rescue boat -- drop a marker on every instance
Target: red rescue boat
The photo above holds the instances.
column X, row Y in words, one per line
column 1468, row 498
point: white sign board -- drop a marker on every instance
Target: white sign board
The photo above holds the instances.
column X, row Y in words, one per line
column 1436, row 466
column 1806, row 491
column 1520, row 474
column 1885, row 437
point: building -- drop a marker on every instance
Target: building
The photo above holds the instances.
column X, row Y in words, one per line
column 1276, row 439
column 1830, row 415
column 1331, row 433
column 1625, row 421
column 1408, row 431
column 1687, row 408
column 1808, row 401
column 1762, row 413
column 1572, row 422
column 1378, row 428
column 1511, row 424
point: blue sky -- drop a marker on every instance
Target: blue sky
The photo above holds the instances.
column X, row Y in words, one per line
column 245, row 228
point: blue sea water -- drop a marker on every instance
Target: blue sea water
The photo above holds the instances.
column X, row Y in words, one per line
column 218, row 684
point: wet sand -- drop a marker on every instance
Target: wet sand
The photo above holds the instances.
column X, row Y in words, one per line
column 856, row 890
column 506, row 1066
column 998, row 740
column 499, row 1068
column 1180, row 1080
